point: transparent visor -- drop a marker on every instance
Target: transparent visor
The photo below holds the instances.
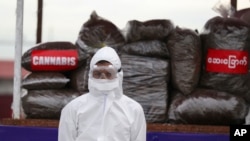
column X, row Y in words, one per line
column 104, row 72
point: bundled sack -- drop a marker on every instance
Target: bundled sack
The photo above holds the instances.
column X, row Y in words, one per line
column 185, row 57
column 151, row 48
column 207, row 107
column 226, row 56
column 243, row 14
column 44, row 80
column 146, row 81
column 46, row 104
column 155, row 29
column 98, row 32
column 79, row 78
column 53, row 56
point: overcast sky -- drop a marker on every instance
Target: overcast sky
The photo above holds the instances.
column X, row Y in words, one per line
column 62, row 19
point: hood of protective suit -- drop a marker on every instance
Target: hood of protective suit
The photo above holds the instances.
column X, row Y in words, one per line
column 112, row 88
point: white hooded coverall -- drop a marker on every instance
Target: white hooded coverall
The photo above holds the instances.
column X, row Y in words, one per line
column 103, row 115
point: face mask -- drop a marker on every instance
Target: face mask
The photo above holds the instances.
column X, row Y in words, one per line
column 104, row 84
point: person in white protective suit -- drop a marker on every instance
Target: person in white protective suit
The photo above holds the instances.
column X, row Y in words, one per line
column 105, row 113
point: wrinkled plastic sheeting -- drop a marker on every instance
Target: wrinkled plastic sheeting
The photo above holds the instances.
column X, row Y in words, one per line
column 46, row 104
column 185, row 57
column 207, row 107
column 226, row 34
column 247, row 119
column 79, row 78
column 146, row 81
column 44, row 80
column 156, row 29
column 98, row 32
column 150, row 48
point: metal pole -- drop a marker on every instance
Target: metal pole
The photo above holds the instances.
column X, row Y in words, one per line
column 39, row 21
column 17, row 62
column 234, row 4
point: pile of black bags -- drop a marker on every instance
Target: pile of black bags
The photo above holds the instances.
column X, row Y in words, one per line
column 178, row 75
column 146, row 66
column 48, row 83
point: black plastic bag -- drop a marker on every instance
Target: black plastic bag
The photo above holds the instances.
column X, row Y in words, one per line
column 151, row 48
column 98, row 32
column 79, row 78
column 207, row 107
column 146, row 81
column 185, row 57
column 46, row 104
column 156, row 29
column 44, row 80
column 226, row 47
column 53, row 56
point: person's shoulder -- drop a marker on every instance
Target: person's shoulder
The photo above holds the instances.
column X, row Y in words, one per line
column 77, row 102
column 132, row 108
column 133, row 104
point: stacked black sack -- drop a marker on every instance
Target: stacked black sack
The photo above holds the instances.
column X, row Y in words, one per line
column 47, row 83
column 98, row 32
column 226, row 45
column 223, row 89
column 185, row 56
column 145, row 63
column 207, row 107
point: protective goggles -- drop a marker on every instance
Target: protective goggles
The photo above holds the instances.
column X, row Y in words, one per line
column 104, row 72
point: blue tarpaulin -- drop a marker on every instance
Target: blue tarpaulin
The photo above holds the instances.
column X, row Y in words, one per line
column 26, row 133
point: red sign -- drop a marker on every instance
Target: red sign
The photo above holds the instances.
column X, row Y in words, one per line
column 54, row 60
column 227, row 61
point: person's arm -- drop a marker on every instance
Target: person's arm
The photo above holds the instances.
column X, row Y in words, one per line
column 139, row 127
column 67, row 130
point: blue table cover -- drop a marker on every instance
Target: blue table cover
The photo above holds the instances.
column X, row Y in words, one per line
column 25, row 133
